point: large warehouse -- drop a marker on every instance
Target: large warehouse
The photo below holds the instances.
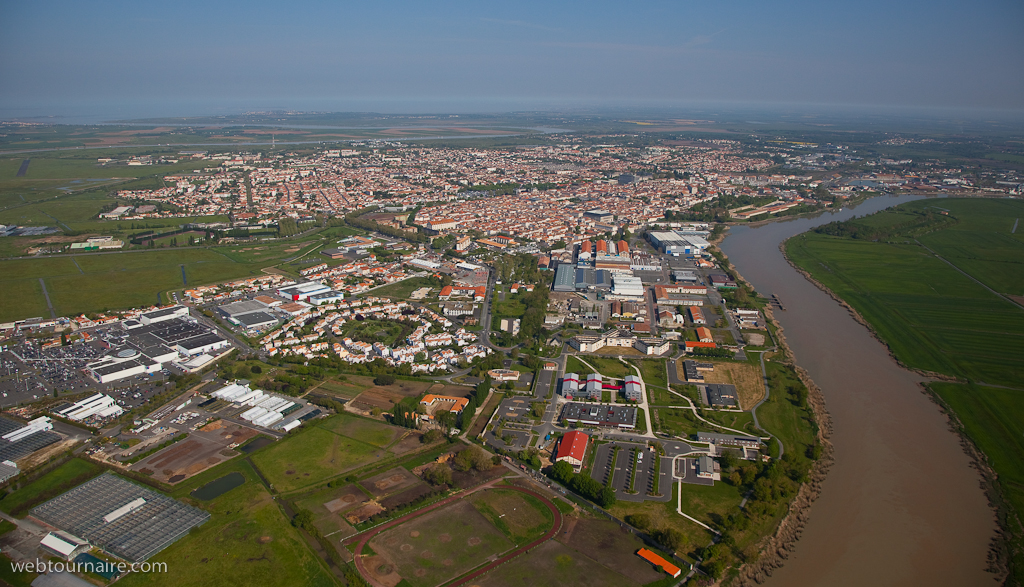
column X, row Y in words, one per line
column 674, row 243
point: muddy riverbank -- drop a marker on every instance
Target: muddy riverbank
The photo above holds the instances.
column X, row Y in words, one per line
column 902, row 504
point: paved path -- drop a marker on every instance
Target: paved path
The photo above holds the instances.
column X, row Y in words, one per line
column 753, row 410
column 53, row 314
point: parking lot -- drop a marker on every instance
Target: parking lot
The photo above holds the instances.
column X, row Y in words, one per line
column 621, row 471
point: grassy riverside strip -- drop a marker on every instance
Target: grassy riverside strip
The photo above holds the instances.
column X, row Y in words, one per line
column 773, row 549
column 893, row 283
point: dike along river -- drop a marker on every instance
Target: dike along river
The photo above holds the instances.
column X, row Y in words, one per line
column 901, row 504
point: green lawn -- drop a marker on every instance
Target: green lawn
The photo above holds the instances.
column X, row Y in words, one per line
column 63, row 478
column 782, row 414
column 402, row 289
column 653, row 372
column 608, row 366
column 248, row 539
column 312, row 456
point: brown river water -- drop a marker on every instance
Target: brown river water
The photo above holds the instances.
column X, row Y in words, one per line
column 901, row 505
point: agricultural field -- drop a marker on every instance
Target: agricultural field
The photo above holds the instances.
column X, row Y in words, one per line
column 438, row 546
column 932, row 316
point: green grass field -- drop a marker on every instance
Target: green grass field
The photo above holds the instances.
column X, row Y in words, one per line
column 520, row 517
column 311, row 457
column 553, row 564
column 608, row 366
column 248, row 539
column 932, row 316
column 74, row 470
column 363, row 429
column 782, row 415
column 402, row 289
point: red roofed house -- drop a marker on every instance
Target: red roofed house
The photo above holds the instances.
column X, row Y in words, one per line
column 572, row 448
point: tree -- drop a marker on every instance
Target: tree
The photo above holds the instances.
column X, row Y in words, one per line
column 562, row 472
column 438, row 474
column 641, row 521
column 384, row 380
column 606, row 498
column 670, row 538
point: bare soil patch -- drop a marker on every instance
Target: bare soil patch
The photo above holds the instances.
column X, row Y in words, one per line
column 389, row 481
column 411, row 494
column 747, row 378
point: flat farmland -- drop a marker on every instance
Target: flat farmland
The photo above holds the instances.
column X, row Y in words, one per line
column 933, row 317
column 329, row 504
column 554, row 564
column 312, row 456
column 438, row 546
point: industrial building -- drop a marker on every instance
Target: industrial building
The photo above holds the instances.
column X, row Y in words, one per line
column 268, row 410
column 97, row 406
column 729, row 439
column 599, row 415
column 300, row 292
column 162, row 315
column 694, row 370
column 675, row 243
column 129, row 521
column 147, row 347
column 594, row 386
column 64, row 545
column 626, row 287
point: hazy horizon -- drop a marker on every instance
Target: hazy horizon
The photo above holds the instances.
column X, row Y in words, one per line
column 127, row 60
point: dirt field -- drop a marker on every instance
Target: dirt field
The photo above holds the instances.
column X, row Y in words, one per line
column 389, row 482
column 410, row 494
column 440, row 545
column 553, row 564
column 746, row 377
column 203, row 449
column 615, row 548
column 410, row 442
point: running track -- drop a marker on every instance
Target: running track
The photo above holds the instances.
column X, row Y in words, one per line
column 364, row 538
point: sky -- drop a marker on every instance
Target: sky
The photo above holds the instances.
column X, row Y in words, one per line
column 193, row 58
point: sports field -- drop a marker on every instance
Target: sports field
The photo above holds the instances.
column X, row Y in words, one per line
column 439, row 546
column 553, row 564
column 369, row 431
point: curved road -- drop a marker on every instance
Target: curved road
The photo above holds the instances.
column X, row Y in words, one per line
column 366, row 536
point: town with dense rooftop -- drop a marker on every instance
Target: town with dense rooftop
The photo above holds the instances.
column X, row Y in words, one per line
column 419, row 364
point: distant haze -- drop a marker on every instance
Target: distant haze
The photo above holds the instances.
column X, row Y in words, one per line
column 125, row 60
